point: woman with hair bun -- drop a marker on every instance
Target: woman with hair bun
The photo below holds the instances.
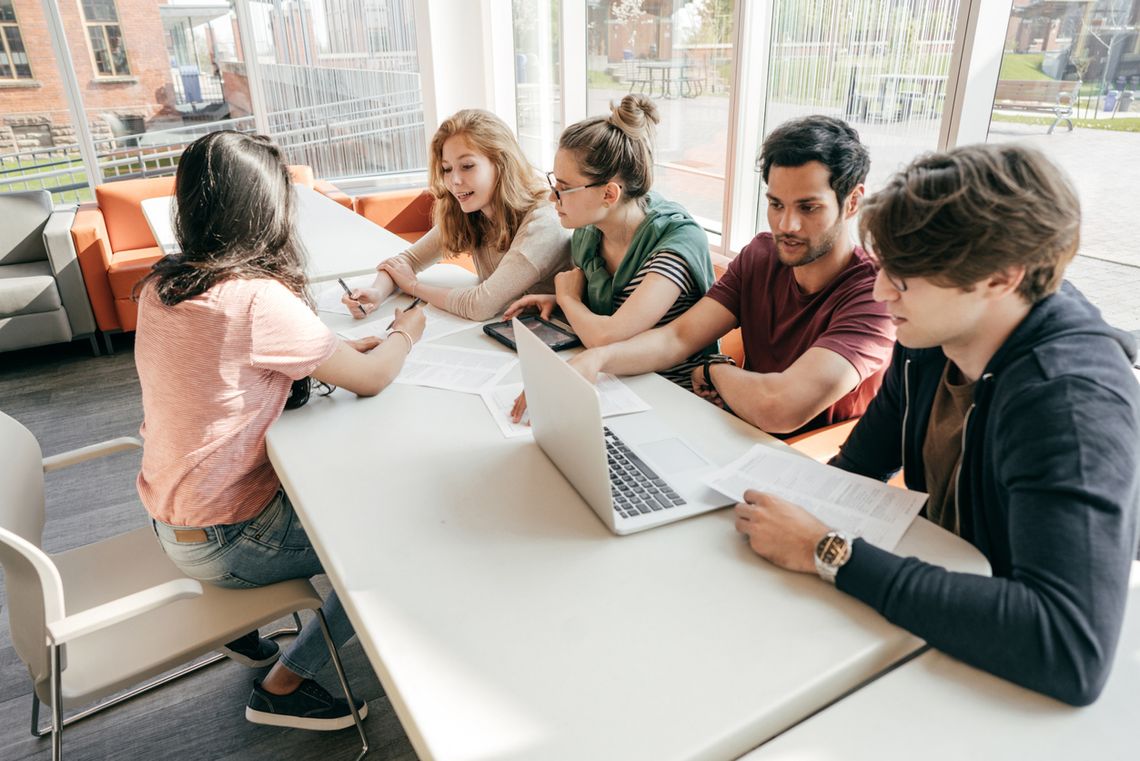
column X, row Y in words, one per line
column 639, row 260
column 489, row 201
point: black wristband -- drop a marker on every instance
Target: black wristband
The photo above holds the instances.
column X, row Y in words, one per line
column 708, row 378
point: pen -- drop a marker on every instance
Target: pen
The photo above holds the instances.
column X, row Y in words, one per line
column 348, row 290
column 415, row 302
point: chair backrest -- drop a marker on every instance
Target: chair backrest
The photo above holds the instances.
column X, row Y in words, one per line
column 121, row 204
column 21, row 236
column 32, row 582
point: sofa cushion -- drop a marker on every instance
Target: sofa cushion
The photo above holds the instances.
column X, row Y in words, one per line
column 121, row 204
column 21, row 234
column 129, row 267
column 27, row 288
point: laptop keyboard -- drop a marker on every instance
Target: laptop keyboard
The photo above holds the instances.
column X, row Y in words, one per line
column 637, row 489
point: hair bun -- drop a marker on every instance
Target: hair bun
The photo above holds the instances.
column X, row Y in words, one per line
column 636, row 116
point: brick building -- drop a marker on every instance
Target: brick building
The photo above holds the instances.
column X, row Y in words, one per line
column 119, row 49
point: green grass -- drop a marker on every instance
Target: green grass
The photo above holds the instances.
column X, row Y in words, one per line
column 600, row 79
column 1119, row 124
column 1022, row 67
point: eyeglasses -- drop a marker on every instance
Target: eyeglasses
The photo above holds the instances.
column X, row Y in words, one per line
column 898, row 283
column 559, row 193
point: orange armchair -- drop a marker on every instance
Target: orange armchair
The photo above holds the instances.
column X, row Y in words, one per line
column 731, row 344
column 407, row 213
column 115, row 247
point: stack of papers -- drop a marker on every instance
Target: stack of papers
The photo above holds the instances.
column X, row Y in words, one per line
column 845, row 501
column 454, row 369
column 616, row 399
column 329, row 297
column 438, row 324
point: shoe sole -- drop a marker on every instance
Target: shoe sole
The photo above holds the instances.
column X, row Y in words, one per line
column 245, row 660
column 300, row 722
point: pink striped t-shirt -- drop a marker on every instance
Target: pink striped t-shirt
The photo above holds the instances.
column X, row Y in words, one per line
column 215, row 372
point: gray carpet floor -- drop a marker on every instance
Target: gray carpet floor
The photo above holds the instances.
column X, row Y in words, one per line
column 68, row 399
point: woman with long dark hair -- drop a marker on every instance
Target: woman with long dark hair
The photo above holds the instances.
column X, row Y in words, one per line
column 225, row 328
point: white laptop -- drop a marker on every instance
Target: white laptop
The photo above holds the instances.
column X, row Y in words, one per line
column 633, row 471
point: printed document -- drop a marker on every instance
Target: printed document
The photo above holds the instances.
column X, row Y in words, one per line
column 449, row 367
column 329, row 298
column 845, row 501
column 437, row 324
column 616, row 399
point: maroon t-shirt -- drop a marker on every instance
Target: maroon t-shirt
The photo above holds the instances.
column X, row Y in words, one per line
column 779, row 322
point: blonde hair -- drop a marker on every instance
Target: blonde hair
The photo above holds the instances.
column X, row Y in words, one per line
column 518, row 188
column 618, row 146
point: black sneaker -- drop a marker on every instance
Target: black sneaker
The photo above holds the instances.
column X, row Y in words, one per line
column 310, row 706
column 253, row 651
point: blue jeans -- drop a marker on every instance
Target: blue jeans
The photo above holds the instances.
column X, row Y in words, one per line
column 266, row 549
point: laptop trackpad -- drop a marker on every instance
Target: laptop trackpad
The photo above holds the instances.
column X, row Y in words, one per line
column 671, row 455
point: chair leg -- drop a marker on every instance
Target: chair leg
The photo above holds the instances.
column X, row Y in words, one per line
column 147, row 687
column 56, row 705
column 94, row 345
column 107, row 341
column 344, row 684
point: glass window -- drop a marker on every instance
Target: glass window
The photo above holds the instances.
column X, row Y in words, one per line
column 1069, row 85
column 680, row 54
column 538, row 83
column 13, row 58
column 107, row 48
column 882, row 67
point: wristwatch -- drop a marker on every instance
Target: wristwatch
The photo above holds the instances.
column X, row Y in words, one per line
column 832, row 552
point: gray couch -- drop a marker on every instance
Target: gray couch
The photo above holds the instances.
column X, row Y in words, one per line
column 42, row 296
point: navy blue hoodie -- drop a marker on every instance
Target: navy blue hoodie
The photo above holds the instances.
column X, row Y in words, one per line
column 1048, row 492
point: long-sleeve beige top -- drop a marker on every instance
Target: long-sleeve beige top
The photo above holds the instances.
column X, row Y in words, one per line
column 540, row 249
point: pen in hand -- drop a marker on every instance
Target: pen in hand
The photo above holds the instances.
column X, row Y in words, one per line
column 415, row 302
column 348, row 290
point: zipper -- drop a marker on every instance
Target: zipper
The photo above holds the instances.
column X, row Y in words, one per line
column 962, row 456
column 906, row 410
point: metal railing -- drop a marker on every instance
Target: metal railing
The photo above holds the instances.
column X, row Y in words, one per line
column 345, row 138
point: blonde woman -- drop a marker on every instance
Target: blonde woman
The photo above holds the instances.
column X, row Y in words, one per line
column 489, row 201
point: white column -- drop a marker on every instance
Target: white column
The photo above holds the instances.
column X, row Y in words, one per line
column 466, row 56
column 572, row 48
column 252, row 66
column 73, row 92
column 978, row 45
column 750, row 48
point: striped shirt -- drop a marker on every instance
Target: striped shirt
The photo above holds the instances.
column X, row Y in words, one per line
column 671, row 266
column 215, row 372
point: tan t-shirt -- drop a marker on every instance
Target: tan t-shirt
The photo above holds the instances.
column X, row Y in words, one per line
column 215, row 372
column 942, row 448
column 539, row 250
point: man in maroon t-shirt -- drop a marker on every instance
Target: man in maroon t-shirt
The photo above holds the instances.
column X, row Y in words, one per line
column 815, row 342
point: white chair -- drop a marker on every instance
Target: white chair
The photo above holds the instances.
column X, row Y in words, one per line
column 97, row 619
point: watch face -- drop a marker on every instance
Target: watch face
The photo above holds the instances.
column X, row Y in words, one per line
column 831, row 548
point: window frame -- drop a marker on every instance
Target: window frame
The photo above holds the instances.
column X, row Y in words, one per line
column 100, row 27
column 8, row 72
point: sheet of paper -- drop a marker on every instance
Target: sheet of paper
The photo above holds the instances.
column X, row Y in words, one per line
column 845, row 501
column 449, row 367
column 437, row 324
column 329, row 297
column 616, row 399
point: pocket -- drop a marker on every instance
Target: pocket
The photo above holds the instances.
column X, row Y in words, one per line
column 277, row 527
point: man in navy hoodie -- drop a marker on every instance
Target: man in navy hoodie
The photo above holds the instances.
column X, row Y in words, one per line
column 1013, row 405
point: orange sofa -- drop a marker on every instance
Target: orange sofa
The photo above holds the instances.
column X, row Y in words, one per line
column 407, row 213
column 116, row 249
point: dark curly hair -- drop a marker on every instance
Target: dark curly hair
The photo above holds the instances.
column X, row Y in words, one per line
column 831, row 142
column 233, row 219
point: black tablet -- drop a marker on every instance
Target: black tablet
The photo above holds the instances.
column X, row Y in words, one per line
column 555, row 337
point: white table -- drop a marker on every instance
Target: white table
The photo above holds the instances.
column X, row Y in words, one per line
column 936, row 708
column 339, row 243
column 506, row 622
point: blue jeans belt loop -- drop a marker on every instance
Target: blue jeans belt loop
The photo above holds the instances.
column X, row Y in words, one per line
column 190, row 535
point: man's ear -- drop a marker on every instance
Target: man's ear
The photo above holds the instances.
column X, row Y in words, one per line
column 854, row 201
column 1004, row 282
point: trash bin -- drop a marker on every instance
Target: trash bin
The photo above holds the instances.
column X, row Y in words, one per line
column 1110, row 99
column 191, row 85
column 1125, row 102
